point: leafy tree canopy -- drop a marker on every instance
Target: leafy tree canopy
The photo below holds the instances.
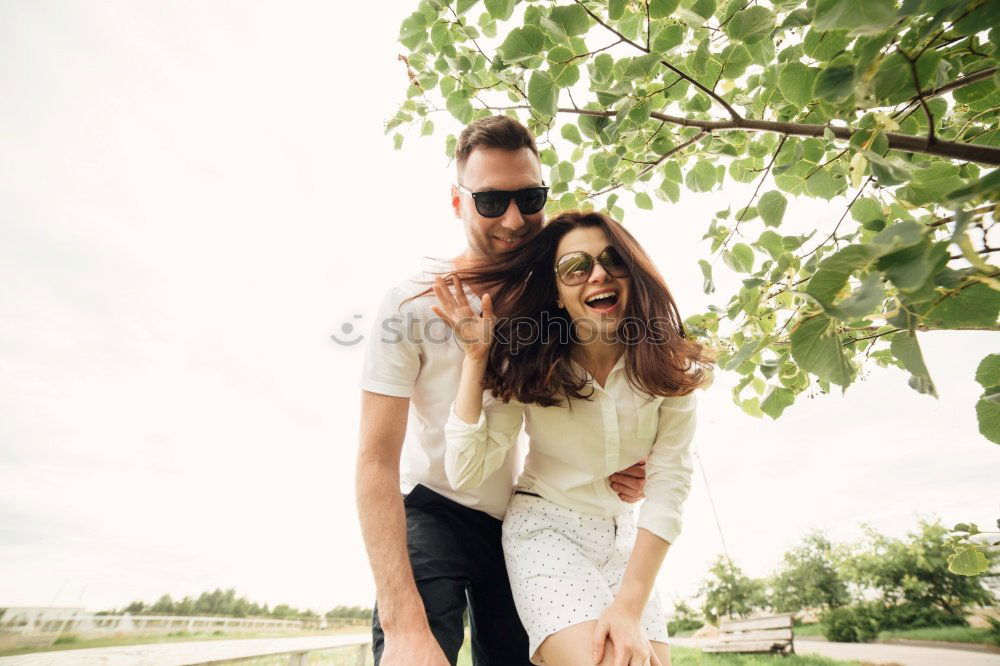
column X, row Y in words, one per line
column 808, row 577
column 893, row 104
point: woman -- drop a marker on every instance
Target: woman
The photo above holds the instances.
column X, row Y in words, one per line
column 579, row 339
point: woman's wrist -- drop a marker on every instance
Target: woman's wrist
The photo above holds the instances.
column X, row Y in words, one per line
column 475, row 363
column 629, row 604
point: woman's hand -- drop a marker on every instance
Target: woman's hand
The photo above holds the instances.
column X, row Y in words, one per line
column 474, row 332
column 628, row 639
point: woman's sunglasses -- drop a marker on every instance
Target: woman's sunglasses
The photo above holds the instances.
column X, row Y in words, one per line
column 494, row 203
column 575, row 267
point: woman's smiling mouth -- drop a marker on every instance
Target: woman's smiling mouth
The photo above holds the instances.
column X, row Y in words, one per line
column 605, row 300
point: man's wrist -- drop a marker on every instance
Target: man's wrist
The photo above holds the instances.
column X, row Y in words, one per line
column 404, row 624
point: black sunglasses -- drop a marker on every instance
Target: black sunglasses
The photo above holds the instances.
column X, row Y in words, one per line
column 494, row 203
column 575, row 268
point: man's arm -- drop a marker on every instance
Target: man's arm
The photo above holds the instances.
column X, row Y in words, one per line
column 408, row 639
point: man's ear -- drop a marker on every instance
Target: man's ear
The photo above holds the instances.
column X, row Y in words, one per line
column 456, row 201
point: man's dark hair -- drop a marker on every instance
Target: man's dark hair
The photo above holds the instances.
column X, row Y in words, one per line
column 501, row 132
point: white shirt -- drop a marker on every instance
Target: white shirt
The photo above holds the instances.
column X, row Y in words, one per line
column 573, row 450
column 412, row 354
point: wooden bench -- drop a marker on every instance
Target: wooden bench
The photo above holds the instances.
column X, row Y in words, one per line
column 764, row 634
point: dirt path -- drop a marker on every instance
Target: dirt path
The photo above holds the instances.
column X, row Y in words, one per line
column 180, row 654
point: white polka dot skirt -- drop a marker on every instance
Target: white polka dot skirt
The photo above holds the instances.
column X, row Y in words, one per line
column 565, row 567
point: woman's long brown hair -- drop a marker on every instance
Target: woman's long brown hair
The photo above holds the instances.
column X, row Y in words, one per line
column 530, row 356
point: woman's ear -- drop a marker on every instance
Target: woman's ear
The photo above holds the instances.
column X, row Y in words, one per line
column 559, row 303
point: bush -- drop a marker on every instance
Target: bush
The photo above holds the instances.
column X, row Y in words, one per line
column 850, row 624
column 674, row 627
column 916, row 616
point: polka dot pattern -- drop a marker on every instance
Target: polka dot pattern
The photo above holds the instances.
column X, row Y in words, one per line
column 565, row 567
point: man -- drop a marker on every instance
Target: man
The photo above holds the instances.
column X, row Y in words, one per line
column 436, row 551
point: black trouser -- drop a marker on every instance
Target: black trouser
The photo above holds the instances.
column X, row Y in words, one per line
column 457, row 561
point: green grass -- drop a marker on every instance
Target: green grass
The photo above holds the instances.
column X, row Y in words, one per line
column 949, row 634
column 680, row 656
column 815, row 629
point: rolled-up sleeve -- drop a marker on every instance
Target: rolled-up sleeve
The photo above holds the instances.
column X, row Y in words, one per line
column 393, row 355
column 669, row 468
column 475, row 451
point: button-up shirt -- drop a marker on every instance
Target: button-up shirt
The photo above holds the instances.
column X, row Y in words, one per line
column 572, row 450
column 412, row 354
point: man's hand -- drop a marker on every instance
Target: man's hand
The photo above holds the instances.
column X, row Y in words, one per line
column 413, row 649
column 629, row 482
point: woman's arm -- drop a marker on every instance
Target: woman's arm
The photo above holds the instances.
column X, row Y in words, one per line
column 475, row 450
column 480, row 430
column 669, row 469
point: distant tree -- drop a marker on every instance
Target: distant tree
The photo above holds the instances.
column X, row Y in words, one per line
column 729, row 592
column 349, row 612
column 135, row 608
column 808, row 578
column 913, row 569
column 163, row 605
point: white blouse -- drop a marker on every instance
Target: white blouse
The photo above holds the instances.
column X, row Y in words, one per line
column 573, row 450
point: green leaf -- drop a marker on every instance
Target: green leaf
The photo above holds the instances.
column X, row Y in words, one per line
column 701, row 178
column 706, row 271
column 667, row 37
column 413, row 30
column 751, row 24
column 968, row 561
column 833, row 272
column 571, row 134
column 816, row 347
column 563, row 67
column 988, row 372
column 571, row 19
column 463, row 6
column 740, row 258
column 863, row 301
column 771, row 207
column 501, row 10
column 796, row 82
column 977, row 305
column 988, row 415
column 460, row 106
column 860, row 17
column 904, row 346
column 616, row 9
column 522, row 43
column 543, row 94
column 643, row 201
column 659, row 9
column 835, row 83
column 777, row 400
column 770, row 242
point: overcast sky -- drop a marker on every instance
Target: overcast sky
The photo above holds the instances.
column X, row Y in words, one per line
column 194, row 196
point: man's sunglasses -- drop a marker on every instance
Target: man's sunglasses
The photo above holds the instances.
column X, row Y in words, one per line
column 494, row 203
column 575, row 267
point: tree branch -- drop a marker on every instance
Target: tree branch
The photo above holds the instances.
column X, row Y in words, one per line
column 833, row 234
column 972, row 213
column 920, row 96
column 913, row 144
column 710, row 93
column 652, row 166
column 756, row 191
column 967, row 152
